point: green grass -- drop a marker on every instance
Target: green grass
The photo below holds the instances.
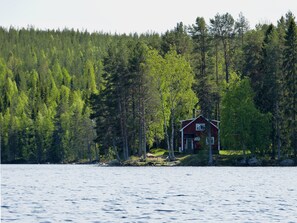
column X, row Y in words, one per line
column 158, row 155
column 233, row 152
column 158, row 152
column 230, row 157
column 134, row 158
column 199, row 159
column 224, row 158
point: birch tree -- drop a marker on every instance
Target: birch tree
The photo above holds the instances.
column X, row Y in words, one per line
column 240, row 116
column 173, row 78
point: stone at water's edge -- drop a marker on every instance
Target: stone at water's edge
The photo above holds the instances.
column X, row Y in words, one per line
column 114, row 163
column 287, row 162
column 254, row 162
column 240, row 162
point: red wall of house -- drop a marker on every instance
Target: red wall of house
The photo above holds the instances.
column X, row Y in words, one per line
column 191, row 129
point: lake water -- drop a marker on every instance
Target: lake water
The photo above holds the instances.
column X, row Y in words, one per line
column 88, row 193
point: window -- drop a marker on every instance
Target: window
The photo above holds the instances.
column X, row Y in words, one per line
column 200, row 126
column 212, row 140
column 197, row 139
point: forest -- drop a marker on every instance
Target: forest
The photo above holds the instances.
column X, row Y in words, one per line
column 70, row 95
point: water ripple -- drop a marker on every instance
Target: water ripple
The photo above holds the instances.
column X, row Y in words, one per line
column 86, row 193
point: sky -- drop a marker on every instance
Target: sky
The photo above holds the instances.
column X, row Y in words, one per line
column 129, row 16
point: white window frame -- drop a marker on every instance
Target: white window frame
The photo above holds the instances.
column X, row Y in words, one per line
column 212, row 140
column 197, row 139
column 200, row 127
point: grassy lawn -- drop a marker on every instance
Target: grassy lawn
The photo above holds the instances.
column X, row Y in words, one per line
column 224, row 158
column 158, row 152
column 233, row 152
column 157, row 157
column 229, row 157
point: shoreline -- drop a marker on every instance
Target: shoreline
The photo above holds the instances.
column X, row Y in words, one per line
column 181, row 160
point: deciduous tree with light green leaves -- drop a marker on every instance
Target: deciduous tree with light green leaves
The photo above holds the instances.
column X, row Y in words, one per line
column 242, row 125
column 172, row 78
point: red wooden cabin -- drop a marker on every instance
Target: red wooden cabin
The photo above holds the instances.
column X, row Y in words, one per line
column 194, row 134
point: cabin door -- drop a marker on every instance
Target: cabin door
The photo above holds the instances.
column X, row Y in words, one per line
column 189, row 144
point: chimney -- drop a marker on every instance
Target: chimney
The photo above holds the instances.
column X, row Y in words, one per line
column 194, row 113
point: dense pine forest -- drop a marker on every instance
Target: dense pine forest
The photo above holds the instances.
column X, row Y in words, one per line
column 69, row 96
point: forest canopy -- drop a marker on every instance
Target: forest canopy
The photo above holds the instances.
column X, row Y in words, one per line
column 71, row 95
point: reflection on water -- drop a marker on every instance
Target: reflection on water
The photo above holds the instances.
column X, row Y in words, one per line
column 87, row 193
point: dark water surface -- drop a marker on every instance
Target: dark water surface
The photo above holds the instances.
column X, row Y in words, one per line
column 87, row 193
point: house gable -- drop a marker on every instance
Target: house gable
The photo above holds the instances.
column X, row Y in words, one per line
column 200, row 118
column 186, row 122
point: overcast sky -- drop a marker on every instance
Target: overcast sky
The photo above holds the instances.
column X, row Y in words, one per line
column 125, row 16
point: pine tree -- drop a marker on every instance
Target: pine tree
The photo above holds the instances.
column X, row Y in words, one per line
column 203, row 89
column 177, row 39
column 222, row 27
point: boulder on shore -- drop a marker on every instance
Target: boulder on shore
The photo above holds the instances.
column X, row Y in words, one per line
column 114, row 163
column 254, row 162
column 240, row 162
column 287, row 162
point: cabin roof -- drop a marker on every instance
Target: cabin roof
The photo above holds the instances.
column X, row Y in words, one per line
column 193, row 120
column 190, row 119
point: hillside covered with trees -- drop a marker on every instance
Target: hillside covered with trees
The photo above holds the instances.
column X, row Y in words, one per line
column 68, row 96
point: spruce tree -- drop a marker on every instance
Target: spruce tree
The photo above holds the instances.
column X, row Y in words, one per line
column 203, row 86
column 290, row 83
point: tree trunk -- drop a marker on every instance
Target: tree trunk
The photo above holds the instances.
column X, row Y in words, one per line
column 167, row 136
column 97, row 153
column 165, row 127
column 115, row 150
column 294, row 138
column 217, row 82
column 123, row 130
column 143, row 132
column 274, row 137
column 217, row 64
column 278, row 144
column 278, row 139
column 140, row 138
column 226, row 61
column 171, row 154
column 89, row 152
column 134, row 118
column 210, row 158
column 0, row 140
column 144, row 143
column 38, row 143
column 244, row 152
